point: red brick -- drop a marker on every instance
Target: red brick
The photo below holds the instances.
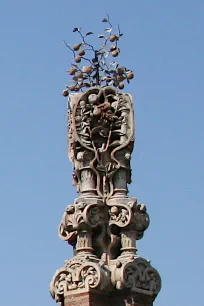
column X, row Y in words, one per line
column 115, row 298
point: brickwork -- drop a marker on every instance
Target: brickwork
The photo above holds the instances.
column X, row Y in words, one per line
column 112, row 299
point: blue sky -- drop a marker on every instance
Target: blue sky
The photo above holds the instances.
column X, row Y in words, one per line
column 163, row 44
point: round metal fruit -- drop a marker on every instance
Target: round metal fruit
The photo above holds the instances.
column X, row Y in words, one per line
column 77, row 59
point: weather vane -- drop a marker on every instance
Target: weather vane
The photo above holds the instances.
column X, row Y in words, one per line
column 96, row 67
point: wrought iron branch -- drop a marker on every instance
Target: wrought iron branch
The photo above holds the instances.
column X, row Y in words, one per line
column 101, row 70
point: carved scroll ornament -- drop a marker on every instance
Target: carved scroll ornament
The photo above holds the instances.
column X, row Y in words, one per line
column 83, row 214
column 136, row 275
column 79, row 274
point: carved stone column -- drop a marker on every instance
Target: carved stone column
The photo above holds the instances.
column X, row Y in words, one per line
column 88, row 183
column 103, row 224
column 128, row 242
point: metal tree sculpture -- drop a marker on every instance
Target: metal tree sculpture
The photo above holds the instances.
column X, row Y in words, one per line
column 96, row 67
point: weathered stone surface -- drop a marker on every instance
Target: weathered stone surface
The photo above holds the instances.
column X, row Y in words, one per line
column 104, row 223
column 136, row 274
column 80, row 274
column 101, row 137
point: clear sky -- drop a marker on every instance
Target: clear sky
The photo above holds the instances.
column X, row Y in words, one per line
column 163, row 44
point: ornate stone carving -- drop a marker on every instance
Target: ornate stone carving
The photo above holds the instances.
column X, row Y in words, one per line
column 80, row 274
column 85, row 213
column 101, row 136
column 142, row 220
column 137, row 275
column 121, row 211
column 104, row 223
column 127, row 218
